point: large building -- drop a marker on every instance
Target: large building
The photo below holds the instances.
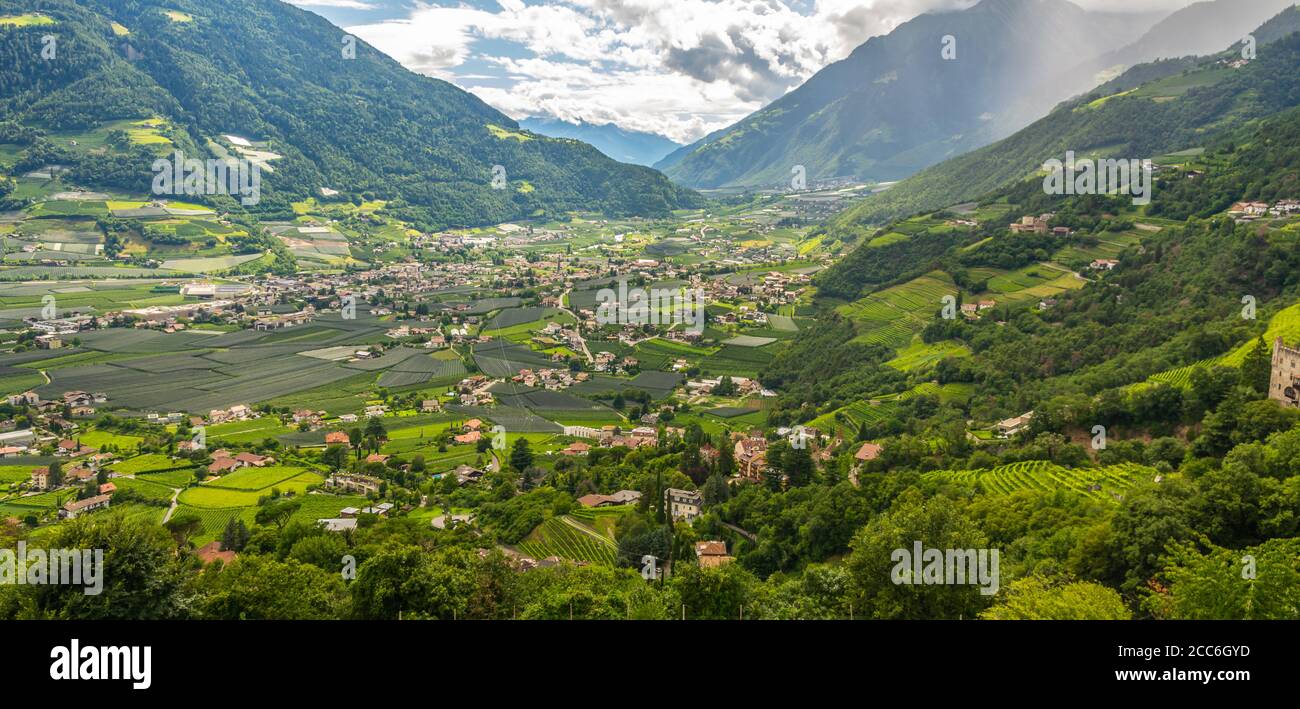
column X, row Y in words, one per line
column 1284, row 381
column 683, row 504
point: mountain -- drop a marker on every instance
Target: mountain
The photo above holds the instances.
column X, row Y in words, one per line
column 1151, row 110
column 1198, row 29
column 278, row 76
column 623, row 145
column 896, row 105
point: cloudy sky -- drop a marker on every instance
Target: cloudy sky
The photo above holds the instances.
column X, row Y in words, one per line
column 679, row 68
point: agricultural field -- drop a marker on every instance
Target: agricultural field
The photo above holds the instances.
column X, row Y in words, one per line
column 235, row 496
column 921, row 356
column 147, row 463
column 570, row 539
column 1105, row 484
column 237, row 490
column 1285, row 324
column 891, row 317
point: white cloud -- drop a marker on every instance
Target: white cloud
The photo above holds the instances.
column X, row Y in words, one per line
column 680, row 68
column 344, row 4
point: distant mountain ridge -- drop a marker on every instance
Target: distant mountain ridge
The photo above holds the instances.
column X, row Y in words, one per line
column 1150, row 110
column 1200, row 28
column 897, row 104
column 629, row 146
column 268, row 71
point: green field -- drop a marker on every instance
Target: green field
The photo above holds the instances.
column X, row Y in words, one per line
column 1103, row 484
column 570, row 540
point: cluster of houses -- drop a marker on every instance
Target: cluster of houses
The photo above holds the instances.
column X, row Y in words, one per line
column 612, row 436
column 610, row 363
column 238, row 412
column 1038, row 225
column 971, row 311
column 549, row 379
column 223, row 461
column 1249, row 211
column 622, row 497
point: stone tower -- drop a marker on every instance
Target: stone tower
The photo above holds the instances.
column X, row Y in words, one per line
column 1284, row 381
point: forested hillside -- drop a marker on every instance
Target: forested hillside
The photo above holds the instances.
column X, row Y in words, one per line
column 280, row 77
column 1175, row 107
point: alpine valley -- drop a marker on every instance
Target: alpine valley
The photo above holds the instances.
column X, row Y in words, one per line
column 416, row 359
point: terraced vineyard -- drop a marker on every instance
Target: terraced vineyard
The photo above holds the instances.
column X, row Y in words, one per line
column 892, row 316
column 568, row 538
column 860, row 412
column 1103, row 483
column 1286, row 324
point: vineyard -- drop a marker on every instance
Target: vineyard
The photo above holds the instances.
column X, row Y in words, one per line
column 892, row 316
column 1286, row 324
column 860, row 412
column 567, row 538
column 1104, row 483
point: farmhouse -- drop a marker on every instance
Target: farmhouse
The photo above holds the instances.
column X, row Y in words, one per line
column 254, row 460
column 224, row 465
column 337, row 438
column 712, row 554
column 576, row 448
column 868, row 452
column 278, row 322
column 311, row 418
column 622, row 497
column 1013, row 426
column 467, row 474
column 213, row 552
column 90, row 504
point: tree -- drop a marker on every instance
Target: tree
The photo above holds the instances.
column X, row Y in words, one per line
column 375, row 428
column 263, row 588
column 716, row 490
column 1257, row 367
column 277, row 512
column 141, row 577
column 938, row 523
column 355, row 438
column 335, row 456
column 1037, row 598
column 726, row 457
column 717, row 593
column 1255, row 583
column 521, row 455
column 797, row 463
column 235, row 535
column 183, row 525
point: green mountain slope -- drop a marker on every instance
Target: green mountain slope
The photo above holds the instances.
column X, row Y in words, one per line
column 896, row 104
column 1174, row 107
column 271, row 73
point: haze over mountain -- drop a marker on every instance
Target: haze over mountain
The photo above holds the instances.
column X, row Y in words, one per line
column 1201, row 28
column 899, row 102
column 1152, row 109
column 623, row 145
column 268, row 71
